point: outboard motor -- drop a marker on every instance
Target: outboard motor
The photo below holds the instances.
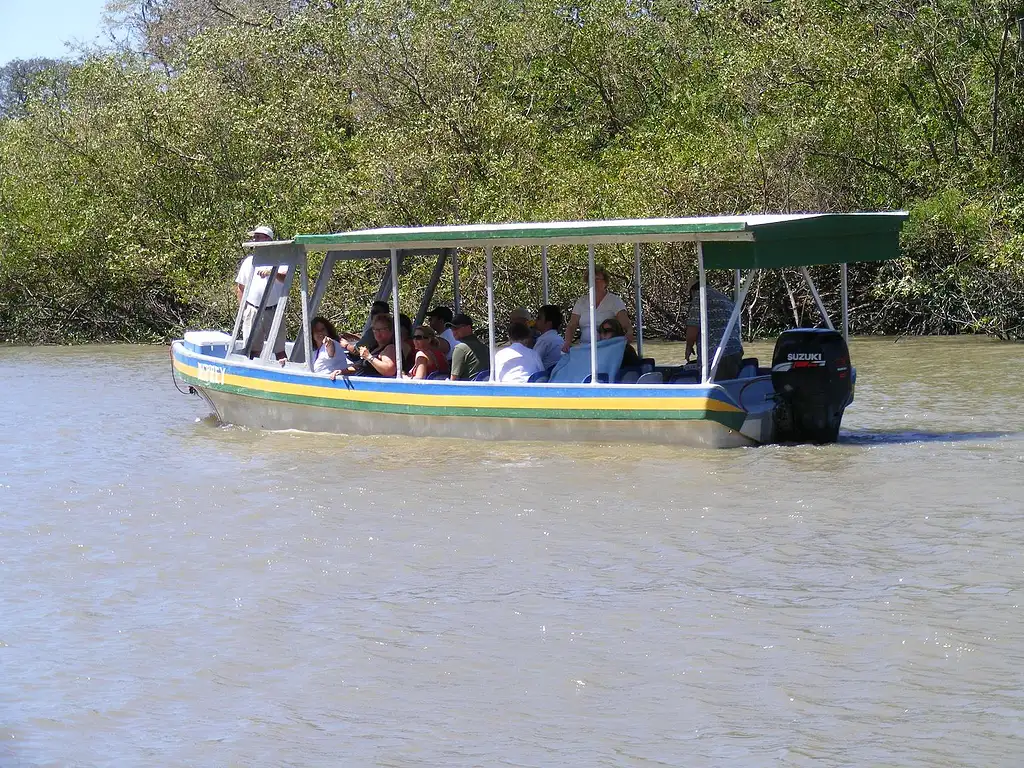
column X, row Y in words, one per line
column 812, row 377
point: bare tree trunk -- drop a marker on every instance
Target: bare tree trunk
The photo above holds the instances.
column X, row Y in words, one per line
column 996, row 83
column 792, row 299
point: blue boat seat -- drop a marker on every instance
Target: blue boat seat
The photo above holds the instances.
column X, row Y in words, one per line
column 652, row 377
column 540, row 377
column 436, row 375
column 628, row 375
column 574, row 367
column 482, row 376
column 602, row 378
column 748, row 368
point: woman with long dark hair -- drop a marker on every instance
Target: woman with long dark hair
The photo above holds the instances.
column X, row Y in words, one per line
column 328, row 354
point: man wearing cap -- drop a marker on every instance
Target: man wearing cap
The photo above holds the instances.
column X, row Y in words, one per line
column 439, row 319
column 470, row 355
column 720, row 308
column 250, row 285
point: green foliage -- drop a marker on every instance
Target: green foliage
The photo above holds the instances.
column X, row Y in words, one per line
column 125, row 187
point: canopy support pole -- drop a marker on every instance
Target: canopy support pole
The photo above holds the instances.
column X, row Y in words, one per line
column 428, row 294
column 490, row 311
column 544, row 270
column 247, row 347
column 396, row 317
column 275, row 327
column 734, row 319
column 593, row 315
column 382, row 295
column 639, row 301
column 455, row 280
column 238, row 323
column 702, row 281
column 320, row 286
column 736, row 300
column 846, row 305
column 817, row 298
column 307, row 332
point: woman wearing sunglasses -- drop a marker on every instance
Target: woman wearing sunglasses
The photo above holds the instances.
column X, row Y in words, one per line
column 379, row 361
column 429, row 358
column 609, row 329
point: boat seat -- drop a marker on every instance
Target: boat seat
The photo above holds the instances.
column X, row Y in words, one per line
column 748, row 368
column 652, row 377
column 540, row 377
column 647, row 365
column 628, row 376
column 436, row 375
column 602, row 378
column 482, row 376
column 685, row 378
column 574, row 367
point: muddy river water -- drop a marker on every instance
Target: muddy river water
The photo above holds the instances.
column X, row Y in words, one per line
column 177, row 592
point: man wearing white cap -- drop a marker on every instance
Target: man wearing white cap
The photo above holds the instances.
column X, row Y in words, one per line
column 250, row 285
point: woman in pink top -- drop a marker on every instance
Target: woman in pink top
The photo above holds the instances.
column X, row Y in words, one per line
column 429, row 357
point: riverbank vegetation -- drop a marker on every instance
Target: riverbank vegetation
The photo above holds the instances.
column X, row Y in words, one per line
column 128, row 176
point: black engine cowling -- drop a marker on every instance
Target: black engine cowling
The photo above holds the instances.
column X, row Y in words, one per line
column 812, row 378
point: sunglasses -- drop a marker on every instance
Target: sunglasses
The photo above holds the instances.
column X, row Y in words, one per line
column 420, row 337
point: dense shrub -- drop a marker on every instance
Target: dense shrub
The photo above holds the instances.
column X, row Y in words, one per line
column 127, row 179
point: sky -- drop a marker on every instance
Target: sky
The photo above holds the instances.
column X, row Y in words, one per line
column 31, row 28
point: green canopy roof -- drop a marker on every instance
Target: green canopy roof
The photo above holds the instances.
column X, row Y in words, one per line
column 729, row 242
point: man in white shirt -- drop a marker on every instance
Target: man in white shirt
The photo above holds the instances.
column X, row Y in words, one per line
column 250, row 285
column 516, row 363
column 548, row 345
column 439, row 319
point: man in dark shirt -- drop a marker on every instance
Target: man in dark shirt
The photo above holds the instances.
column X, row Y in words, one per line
column 470, row 355
column 720, row 309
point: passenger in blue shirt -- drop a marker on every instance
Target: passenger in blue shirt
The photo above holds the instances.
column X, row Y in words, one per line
column 548, row 344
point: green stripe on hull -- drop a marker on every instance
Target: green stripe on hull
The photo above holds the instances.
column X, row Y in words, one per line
column 732, row 420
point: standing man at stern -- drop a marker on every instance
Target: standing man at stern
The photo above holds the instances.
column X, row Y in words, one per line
column 720, row 308
column 250, row 285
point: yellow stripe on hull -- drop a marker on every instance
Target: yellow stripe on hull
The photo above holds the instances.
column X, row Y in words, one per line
column 466, row 400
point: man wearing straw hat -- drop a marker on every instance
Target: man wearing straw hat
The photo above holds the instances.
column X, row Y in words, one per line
column 250, row 285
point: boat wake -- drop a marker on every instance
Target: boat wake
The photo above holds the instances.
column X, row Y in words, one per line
column 870, row 437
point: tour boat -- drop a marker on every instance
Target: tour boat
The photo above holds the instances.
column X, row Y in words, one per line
column 799, row 398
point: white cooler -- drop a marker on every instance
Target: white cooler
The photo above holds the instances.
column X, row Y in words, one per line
column 212, row 343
